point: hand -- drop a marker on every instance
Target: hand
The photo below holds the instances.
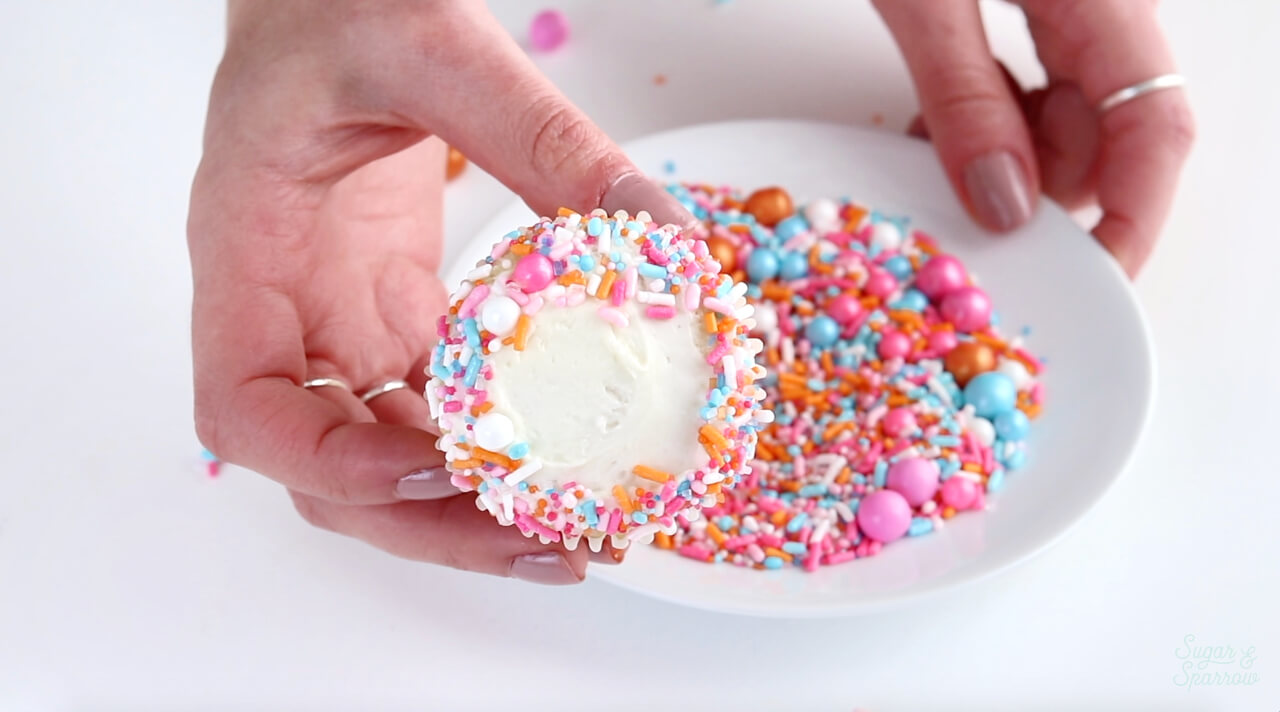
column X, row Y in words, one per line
column 1001, row 147
column 315, row 237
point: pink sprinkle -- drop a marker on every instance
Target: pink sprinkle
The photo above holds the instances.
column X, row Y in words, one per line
column 500, row 249
column 692, row 295
column 453, row 406
column 771, row 541
column 614, row 316
column 535, row 303
column 716, row 305
column 657, row 311
column 517, row 295
column 442, row 327
column 468, row 306
column 214, row 467
column 841, row 557
column 548, row 31
column 629, row 277
column 693, row 551
column 618, row 293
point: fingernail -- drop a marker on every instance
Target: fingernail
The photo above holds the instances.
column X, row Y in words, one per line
column 998, row 190
column 548, row 568
column 432, row 483
column 608, row 556
column 633, row 192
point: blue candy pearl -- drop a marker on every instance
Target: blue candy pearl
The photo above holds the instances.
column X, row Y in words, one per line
column 794, row 266
column 898, row 266
column 991, row 394
column 791, row 227
column 822, row 331
column 762, row 265
column 1012, row 425
column 911, row 300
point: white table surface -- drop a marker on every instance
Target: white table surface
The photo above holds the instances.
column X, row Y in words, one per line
column 130, row 580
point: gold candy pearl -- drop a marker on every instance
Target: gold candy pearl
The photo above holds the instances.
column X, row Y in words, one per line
column 724, row 252
column 968, row 359
column 770, row 206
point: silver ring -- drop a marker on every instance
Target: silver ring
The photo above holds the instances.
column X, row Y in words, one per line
column 1129, row 93
column 383, row 389
column 322, row 382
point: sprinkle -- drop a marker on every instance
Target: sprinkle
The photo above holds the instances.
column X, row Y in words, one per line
column 651, row 473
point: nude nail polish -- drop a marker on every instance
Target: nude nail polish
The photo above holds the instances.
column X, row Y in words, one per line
column 548, row 568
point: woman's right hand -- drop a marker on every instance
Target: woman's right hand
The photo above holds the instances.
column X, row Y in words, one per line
column 315, row 236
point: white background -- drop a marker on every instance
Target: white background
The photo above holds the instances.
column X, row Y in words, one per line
column 129, row 580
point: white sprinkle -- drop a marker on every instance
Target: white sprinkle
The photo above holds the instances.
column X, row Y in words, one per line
column 657, row 298
column 508, row 506
column 936, row 386
column 730, row 365
column 657, row 285
column 928, row 507
column 713, row 477
column 643, row 531
column 480, row 272
column 593, row 283
column 522, row 473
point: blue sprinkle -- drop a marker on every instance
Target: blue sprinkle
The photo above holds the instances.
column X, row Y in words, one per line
column 594, row 226
column 816, row 384
column 795, row 548
column 639, row 517
column 484, row 487
column 635, row 226
column 920, row 525
column 669, row 167
column 725, row 523
column 586, row 263
column 473, row 370
column 588, row 510
column 882, row 469
column 813, row 490
column 772, row 562
column 797, row 522
column 945, row 440
column 911, row 300
column 472, row 333
column 651, row 270
column 518, row 451
column 208, row 456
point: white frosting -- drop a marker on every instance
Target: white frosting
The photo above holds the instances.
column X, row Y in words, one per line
column 593, row 401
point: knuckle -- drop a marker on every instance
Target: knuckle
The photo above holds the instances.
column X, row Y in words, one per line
column 560, row 133
column 1177, row 128
column 311, row 511
column 966, row 92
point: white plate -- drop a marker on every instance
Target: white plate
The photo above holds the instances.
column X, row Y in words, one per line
column 1049, row 275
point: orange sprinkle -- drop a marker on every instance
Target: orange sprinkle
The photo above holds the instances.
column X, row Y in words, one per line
column 508, row 341
column 483, row 408
column 972, row 467
column 709, row 321
column 828, row 364
column 714, row 532
column 573, row 277
column 466, row 464
column 856, row 215
column 779, row 517
column 564, row 212
column 789, row 486
column 663, row 540
column 623, row 500
column 948, row 512
column 521, row 248
column 606, row 284
column 651, row 473
column 775, row 292
column 522, row 332
column 714, row 436
column 778, row 553
column 845, row 475
column 494, row 458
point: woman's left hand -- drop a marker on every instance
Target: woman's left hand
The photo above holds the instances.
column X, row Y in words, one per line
column 1002, row 147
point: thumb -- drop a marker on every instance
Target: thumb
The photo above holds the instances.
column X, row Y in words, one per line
column 972, row 116
column 513, row 122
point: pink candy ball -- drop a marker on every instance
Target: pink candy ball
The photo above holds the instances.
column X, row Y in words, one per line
column 899, row 422
column 880, row 284
column 549, row 30
column 940, row 276
column 940, row 342
column 915, row 478
column 894, row 344
column 533, row 272
column 884, row 515
column 844, row 309
column 969, row 308
column 959, row 492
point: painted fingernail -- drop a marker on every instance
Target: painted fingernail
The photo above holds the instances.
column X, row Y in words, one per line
column 634, row 192
column 608, row 556
column 432, row 483
column 998, row 190
column 548, row 568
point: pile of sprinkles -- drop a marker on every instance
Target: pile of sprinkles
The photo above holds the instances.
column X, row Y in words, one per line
column 897, row 402
column 606, row 260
